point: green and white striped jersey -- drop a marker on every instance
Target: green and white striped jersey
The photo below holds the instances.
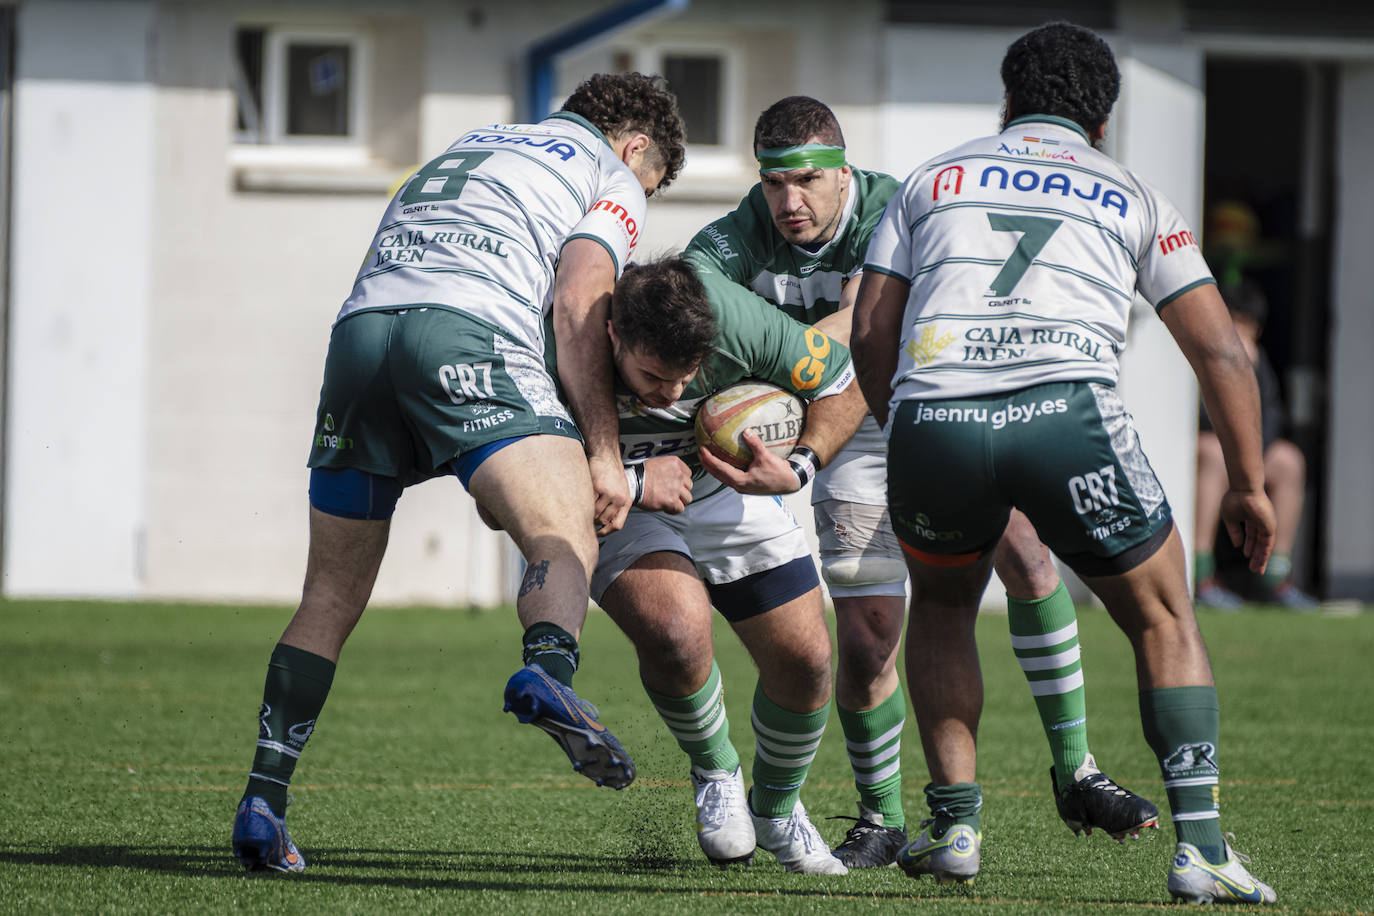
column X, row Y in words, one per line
column 479, row 229
column 1024, row 252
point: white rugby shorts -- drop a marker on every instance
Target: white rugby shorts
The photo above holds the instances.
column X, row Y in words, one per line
column 727, row 536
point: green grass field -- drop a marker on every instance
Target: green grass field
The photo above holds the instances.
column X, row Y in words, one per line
column 128, row 730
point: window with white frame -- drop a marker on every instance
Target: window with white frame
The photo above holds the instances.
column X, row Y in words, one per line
column 300, row 87
column 705, row 79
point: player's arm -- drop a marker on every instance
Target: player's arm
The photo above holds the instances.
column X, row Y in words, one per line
column 830, row 422
column 1200, row 323
column 581, row 308
column 877, row 333
column 664, row 484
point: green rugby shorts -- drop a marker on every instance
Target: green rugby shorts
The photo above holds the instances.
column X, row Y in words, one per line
column 408, row 390
column 1065, row 453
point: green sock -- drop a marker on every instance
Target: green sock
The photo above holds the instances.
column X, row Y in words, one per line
column 1277, row 572
column 296, row 688
column 784, row 745
column 1204, row 566
column 1181, row 726
column 699, row 724
column 552, row 648
column 1044, row 637
column 958, row 803
column 873, row 738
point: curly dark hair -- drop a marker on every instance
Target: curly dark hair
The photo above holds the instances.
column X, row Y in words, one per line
column 621, row 103
column 660, row 308
column 795, row 120
column 1061, row 69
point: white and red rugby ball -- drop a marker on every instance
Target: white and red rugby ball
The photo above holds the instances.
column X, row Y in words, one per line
column 776, row 414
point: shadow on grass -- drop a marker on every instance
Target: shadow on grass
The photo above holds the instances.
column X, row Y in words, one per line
column 484, row 870
column 414, row 869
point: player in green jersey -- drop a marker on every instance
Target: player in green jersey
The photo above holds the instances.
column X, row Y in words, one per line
column 798, row 240
column 692, row 542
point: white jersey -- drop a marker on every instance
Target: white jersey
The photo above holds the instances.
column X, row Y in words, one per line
column 1024, row 252
column 479, row 229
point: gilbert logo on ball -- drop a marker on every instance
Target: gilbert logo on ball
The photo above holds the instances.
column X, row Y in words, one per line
column 775, row 414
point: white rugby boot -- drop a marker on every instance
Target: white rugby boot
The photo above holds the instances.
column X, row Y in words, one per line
column 797, row 843
column 1194, row 879
column 724, row 828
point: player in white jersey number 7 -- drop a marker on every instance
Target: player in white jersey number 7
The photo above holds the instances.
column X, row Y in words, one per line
column 1034, row 238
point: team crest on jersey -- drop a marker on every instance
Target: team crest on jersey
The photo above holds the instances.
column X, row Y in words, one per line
column 925, row 348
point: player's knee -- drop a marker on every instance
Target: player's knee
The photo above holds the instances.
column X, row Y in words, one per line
column 1026, row 570
column 847, row 576
column 864, row 654
column 812, row 666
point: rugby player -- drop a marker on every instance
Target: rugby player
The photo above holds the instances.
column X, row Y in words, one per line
column 436, row 367
column 1041, row 256
column 798, row 240
column 691, row 542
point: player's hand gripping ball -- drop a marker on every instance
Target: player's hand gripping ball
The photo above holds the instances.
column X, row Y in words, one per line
column 777, row 415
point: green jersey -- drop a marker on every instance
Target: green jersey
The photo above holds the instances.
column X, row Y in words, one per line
column 745, row 248
column 750, row 342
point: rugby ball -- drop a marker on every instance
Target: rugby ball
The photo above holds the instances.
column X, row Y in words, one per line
column 776, row 414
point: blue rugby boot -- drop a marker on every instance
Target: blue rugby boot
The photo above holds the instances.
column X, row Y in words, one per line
column 1193, row 879
column 953, row 857
column 260, row 839
column 538, row 699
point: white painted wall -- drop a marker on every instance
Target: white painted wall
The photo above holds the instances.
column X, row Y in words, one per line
column 1350, row 496
column 1158, row 125
column 168, row 330
column 84, row 247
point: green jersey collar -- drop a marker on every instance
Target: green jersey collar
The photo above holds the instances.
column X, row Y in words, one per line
column 580, row 121
column 1052, row 119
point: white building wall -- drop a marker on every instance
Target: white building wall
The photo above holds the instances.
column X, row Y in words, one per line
column 1349, row 532
column 83, row 250
column 1158, row 125
column 243, row 312
column 164, row 364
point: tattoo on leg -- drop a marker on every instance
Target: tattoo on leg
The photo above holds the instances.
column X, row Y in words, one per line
column 535, row 574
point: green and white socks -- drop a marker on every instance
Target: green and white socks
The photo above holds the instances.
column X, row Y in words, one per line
column 785, row 743
column 699, row 724
column 873, row 738
column 1044, row 637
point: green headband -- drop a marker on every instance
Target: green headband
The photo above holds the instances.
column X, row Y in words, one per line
column 806, row 156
